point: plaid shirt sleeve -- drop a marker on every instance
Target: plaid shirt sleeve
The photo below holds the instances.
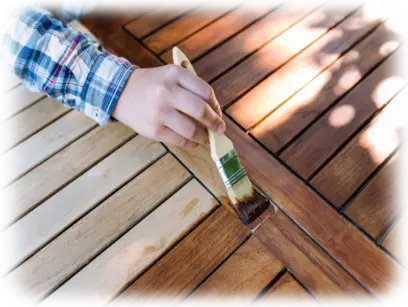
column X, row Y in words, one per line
column 51, row 57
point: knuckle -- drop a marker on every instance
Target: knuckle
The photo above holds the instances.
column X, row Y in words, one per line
column 200, row 110
column 207, row 91
column 173, row 70
column 162, row 91
column 190, row 130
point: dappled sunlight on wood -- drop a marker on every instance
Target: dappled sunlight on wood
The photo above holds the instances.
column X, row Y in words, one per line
column 341, row 115
column 389, row 47
column 347, row 80
column 386, row 88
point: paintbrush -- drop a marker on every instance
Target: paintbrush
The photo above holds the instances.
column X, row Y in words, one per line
column 251, row 206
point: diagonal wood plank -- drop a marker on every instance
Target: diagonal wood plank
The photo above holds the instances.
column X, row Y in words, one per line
column 20, row 127
column 249, row 40
column 217, row 32
column 155, row 19
column 101, row 280
column 287, row 80
column 42, row 145
column 321, row 140
column 174, row 32
column 181, row 270
column 334, row 82
column 93, row 233
column 287, row 289
column 343, row 241
column 364, row 153
column 242, row 276
column 49, row 219
column 17, row 100
column 374, row 209
column 9, row 81
column 27, row 192
column 394, row 241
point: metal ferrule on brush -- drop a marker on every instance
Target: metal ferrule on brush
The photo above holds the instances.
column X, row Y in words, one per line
column 230, row 169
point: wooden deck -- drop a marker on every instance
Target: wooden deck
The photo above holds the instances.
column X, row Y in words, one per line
column 313, row 104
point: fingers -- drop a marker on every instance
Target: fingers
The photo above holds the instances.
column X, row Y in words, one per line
column 195, row 107
column 170, row 137
column 186, row 127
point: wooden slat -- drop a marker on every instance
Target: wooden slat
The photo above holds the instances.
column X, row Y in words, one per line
column 153, row 20
column 181, row 270
column 30, row 121
column 101, row 227
column 364, row 153
column 395, row 241
column 306, row 105
column 27, row 192
column 245, row 273
column 101, row 280
column 249, row 40
column 283, row 83
column 374, row 208
column 286, row 288
column 353, row 250
column 9, row 81
column 321, row 140
column 217, row 32
column 181, row 28
column 17, row 100
column 54, row 215
column 42, row 145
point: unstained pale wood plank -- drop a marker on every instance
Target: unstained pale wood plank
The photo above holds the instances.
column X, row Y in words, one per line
column 16, row 162
column 20, row 127
column 321, row 140
column 287, row 289
column 307, row 104
column 220, row 30
column 375, row 208
column 27, row 192
column 9, row 81
column 93, row 233
column 242, row 276
column 181, row 270
column 181, row 28
column 287, row 80
column 341, row 177
column 105, row 276
column 50, row 218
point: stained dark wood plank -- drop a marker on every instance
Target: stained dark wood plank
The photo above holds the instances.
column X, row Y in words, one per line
column 288, row 289
column 242, row 276
column 364, row 153
column 374, row 209
column 153, row 20
column 249, row 40
column 218, row 31
column 181, row 270
column 343, row 241
column 307, row 104
column 287, row 80
column 321, row 140
column 181, row 28
column 395, row 241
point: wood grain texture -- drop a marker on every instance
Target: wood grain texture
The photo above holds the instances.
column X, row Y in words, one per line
column 27, row 192
column 395, row 241
column 17, row 100
column 217, row 32
column 42, row 145
column 321, row 140
column 375, row 208
column 242, row 276
column 287, row 289
column 181, row 270
column 155, row 19
column 343, row 241
column 50, row 218
column 307, row 104
column 249, row 40
column 28, row 122
column 310, row 264
column 106, row 275
column 181, row 28
column 70, row 251
column 286, row 81
column 364, row 153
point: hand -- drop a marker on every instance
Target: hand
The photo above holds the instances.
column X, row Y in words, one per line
column 170, row 105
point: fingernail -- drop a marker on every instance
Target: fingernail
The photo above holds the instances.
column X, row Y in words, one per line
column 221, row 128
